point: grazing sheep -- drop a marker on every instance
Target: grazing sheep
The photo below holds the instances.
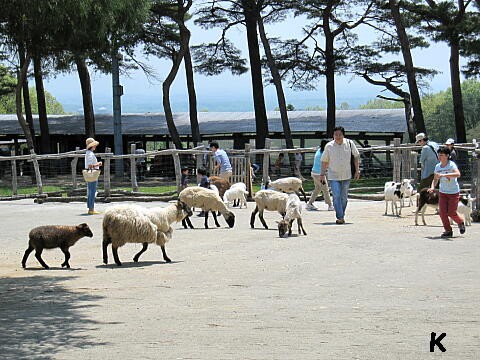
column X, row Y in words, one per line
column 424, row 200
column 53, row 236
column 207, row 200
column 287, row 185
column 237, row 191
column 270, row 200
column 136, row 224
column 465, row 205
column 393, row 193
column 293, row 211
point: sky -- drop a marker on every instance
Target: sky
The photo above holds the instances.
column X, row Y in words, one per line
column 226, row 92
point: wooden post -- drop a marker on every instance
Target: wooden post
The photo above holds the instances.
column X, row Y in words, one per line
column 476, row 177
column 178, row 168
column 397, row 160
column 266, row 161
column 133, row 168
column 14, row 174
column 414, row 165
column 106, row 172
column 248, row 170
column 74, row 169
column 406, row 164
column 38, row 176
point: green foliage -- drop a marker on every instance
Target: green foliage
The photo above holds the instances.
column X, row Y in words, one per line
column 314, row 108
column 7, row 81
column 382, row 104
column 7, row 103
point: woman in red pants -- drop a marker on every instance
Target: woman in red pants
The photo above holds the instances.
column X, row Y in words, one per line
column 447, row 173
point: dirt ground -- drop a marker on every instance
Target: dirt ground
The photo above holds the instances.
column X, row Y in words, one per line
column 374, row 288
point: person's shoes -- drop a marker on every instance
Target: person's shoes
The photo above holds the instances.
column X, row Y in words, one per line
column 311, row 207
column 201, row 213
column 461, row 227
column 93, row 212
column 331, row 208
column 447, row 234
column 340, row 221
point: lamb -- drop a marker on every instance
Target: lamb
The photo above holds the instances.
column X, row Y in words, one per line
column 393, row 192
column 293, row 211
column 424, row 200
column 465, row 205
column 268, row 200
column 53, row 236
column 237, row 191
column 208, row 200
column 287, row 185
column 136, row 224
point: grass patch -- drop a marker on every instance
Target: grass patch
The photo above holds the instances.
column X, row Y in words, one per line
column 7, row 191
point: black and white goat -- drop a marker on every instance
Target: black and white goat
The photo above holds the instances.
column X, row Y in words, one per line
column 394, row 193
column 408, row 193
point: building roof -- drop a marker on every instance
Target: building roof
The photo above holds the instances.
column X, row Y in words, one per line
column 379, row 121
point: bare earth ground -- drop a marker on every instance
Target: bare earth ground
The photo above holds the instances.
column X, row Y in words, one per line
column 374, row 288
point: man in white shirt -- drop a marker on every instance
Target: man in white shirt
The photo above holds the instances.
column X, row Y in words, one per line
column 337, row 159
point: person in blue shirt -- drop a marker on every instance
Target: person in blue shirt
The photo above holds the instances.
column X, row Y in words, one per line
column 446, row 173
column 428, row 160
column 320, row 186
column 223, row 165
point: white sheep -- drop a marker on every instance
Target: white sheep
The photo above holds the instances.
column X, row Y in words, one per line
column 393, row 192
column 136, row 224
column 237, row 191
column 270, row 200
column 465, row 205
column 287, row 185
column 293, row 211
column 207, row 200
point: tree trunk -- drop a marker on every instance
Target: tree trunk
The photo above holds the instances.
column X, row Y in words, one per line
column 330, row 82
column 42, row 107
column 407, row 102
column 85, row 83
column 277, row 81
column 192, row 96
column 251, row 17
column 26, row 98
column 18, row 102
column 457, row 91
column 410, row 71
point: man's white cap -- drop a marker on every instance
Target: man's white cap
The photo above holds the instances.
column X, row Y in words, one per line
column 450, row 142
column 420, row 136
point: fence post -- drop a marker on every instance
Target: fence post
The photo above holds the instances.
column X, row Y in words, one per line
column 397, row 160
column 248, row 170
column 414, row 163
column 476, row 177
column 38, row 176
column 266, row 161
column 133, row 168
column 178, row 168
column 74, row 169
column 406, row 164
column 14, row 174
column 106, row 172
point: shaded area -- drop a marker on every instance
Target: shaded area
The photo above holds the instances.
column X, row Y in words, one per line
column 40, row 317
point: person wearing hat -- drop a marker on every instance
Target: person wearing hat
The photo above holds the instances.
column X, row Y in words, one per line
column 428, row 160
column 91, row 162
column 450, row 143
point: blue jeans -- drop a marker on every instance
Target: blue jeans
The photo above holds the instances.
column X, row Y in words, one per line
column 340, row 196
column 91, row 190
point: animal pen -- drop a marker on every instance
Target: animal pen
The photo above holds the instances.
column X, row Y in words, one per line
column 161, row 170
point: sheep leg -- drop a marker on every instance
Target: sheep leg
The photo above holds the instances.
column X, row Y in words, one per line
column 215, row 218
column 303, row 193
column 188, row 222
column 184, row 223
column 300, row 226
column 27, row 253
column 206, row 219
column 104, row 246
column 290, row 224
column 115, row 255
column 144, row 248
column 67, row 257
column 260, row 215
column 165, row 257
column 38, row 255
column 252, row 218
column 386, row 207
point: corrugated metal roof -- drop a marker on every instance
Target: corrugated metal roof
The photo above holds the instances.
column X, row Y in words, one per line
column 371, row 121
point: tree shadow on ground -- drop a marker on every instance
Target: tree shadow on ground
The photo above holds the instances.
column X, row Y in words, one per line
column 39, row 317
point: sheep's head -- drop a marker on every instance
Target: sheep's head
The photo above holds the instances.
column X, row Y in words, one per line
column 229, row 218
column 84, row 230
column 283, row 228
column 183, row 210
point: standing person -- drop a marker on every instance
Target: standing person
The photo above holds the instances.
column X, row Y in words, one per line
column 337, row 159
column 278, row 164
column 319, row 184
column 91, row 162
column 450, row 143
column 298, row 165
column 223, row 163
column 447, row 173
column 367, row 157
column 184, row 179
column 428, row 160
column 140, row 161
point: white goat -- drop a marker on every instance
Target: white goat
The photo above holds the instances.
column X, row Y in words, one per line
column 465, row 205
column 237, row 191
column 409, row 191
